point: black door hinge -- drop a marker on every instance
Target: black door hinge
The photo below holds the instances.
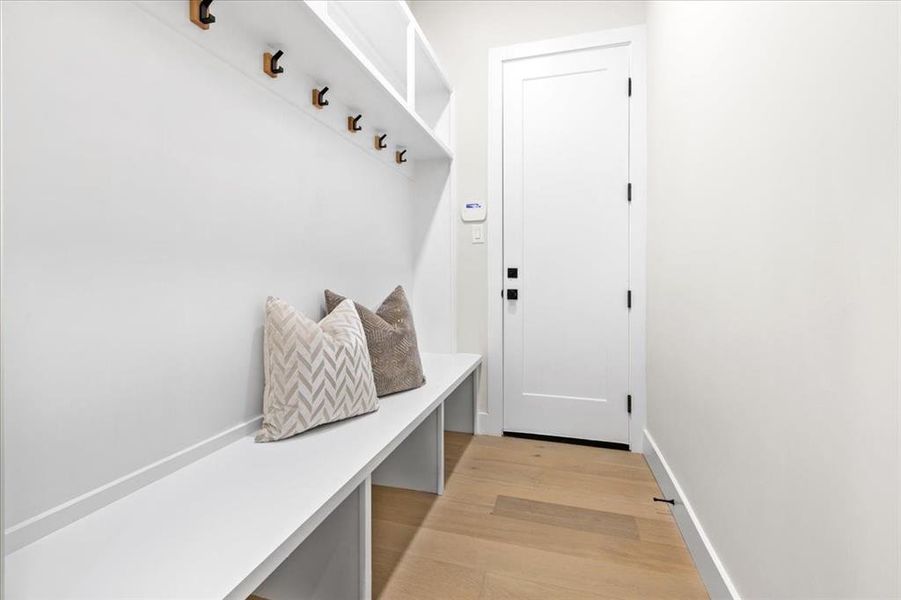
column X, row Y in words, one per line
column 629, row 403
column 629, row 299
column 630, row 86
column 629, row 192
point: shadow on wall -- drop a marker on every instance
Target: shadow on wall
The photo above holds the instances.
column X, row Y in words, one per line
column 433, row 256
column 428, row 188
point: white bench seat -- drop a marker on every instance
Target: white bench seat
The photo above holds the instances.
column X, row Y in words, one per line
column 219, row 526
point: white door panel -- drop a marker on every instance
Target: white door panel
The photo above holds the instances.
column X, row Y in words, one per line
column 566, row 230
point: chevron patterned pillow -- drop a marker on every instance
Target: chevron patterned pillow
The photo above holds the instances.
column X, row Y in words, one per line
column 391, row 337
column 315, row 373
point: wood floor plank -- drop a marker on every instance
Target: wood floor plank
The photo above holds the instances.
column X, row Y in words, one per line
column 527, row 475
column 476, row 521
column 552, row 568
column 502, row 587
column 591, row 461
column 655, row 524
column 478, row 490
column 520, row 447
column 415, row 577
column 530, row 519
column 660, row 531
column 570, row 517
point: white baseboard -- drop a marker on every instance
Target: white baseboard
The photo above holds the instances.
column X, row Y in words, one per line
column 709, row 565
column 481, row 423
column 486, row 425
column 30, row 530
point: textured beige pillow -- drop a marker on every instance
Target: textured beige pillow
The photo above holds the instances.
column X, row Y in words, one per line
column 391, row 337
column 315, row 372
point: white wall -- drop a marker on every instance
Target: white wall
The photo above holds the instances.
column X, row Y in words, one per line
column 461, row 34
column 773, row 286
column 154, row 196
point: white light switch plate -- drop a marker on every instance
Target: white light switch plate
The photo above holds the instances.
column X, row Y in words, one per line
column 478, row 234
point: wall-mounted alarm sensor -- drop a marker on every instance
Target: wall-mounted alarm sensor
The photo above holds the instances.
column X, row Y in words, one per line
column 473, row 211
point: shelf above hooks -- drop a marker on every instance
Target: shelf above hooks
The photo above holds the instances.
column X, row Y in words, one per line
column 319, row 52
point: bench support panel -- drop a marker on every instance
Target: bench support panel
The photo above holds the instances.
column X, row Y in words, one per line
column 334, row 561
column 365, row 507
column 460, row 407
column 418, row 462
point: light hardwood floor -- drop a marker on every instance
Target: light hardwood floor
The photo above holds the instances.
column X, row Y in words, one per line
column 523, row 519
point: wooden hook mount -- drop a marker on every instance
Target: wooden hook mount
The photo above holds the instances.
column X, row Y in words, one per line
column 353, row 124
column 319, row 97
column 399, row 156
column 270, row 64
column 380, row 141
column 199, row 11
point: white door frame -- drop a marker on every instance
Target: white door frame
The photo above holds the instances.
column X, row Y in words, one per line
column 492, row 422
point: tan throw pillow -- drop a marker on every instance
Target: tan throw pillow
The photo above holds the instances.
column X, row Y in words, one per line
column 315, row 372
column 391, row 337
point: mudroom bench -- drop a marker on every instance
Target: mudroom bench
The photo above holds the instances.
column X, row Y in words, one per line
column 288, row 519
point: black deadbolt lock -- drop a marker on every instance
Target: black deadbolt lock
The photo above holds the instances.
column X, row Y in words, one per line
column 512, row 294
column 512, row 273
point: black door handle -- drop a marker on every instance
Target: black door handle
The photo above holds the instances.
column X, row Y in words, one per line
column 512, row 294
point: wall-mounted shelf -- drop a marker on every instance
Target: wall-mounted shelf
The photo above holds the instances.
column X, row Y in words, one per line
column 431, row 90
column 374, row 33
column 379, row 30
column 324, row 44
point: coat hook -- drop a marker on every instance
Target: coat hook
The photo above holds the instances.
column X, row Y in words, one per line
column 270, row 64
column 380, row 141
column 352, row 123
column 319, row 97
column 200, row 13
column 399, row 156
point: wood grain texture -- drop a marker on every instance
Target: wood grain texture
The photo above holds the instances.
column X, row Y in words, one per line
column 194, row 13
column 267, row 65
column 530, row 519
column 570, row 517
column 501, row 587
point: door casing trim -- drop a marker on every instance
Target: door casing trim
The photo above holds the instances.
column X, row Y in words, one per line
column 491, row 422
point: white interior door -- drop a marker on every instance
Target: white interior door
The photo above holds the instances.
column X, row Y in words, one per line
column 566, row 232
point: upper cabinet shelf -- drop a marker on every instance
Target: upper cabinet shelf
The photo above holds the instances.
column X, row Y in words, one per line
column 386, row 34
column 371, row 55
column 431, row 91
column 379, row 32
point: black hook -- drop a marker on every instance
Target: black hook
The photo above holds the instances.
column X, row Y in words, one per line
column 270, row 64
column 666, row 500
column 352, row 123
column 200, row 13
column 205, row 17
column 319, row 97
column 399, row 156
column 273, row 62
column 380, row 141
